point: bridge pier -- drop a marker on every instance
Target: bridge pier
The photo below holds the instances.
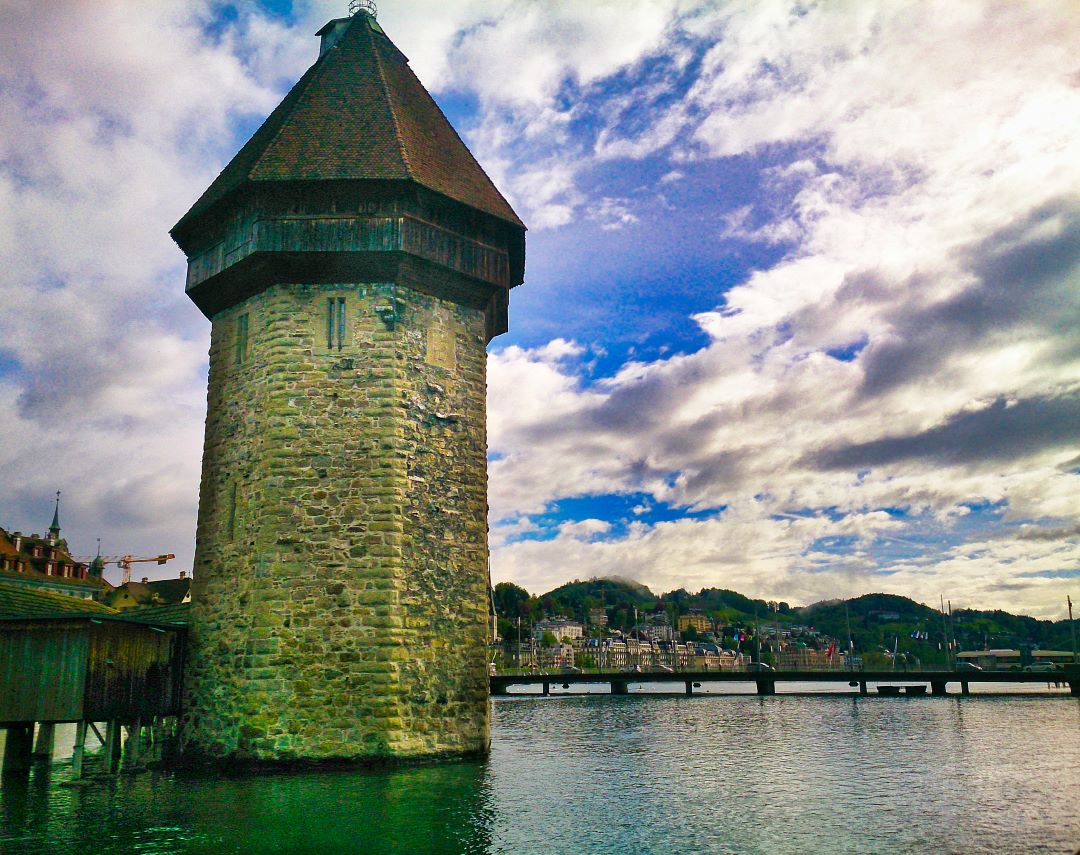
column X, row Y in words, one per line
column 862, row 688
column 766, row 687
column 547, row 688
column 689, row 687
column 113, row 740
column 79, row 751
column 133, row 745
column 46, row 737
column 18, row 748
column 619, row 687
column 964, row 688
column 937, row 688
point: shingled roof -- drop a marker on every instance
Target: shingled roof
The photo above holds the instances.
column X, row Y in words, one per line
column 22, row 602
column 359, row 113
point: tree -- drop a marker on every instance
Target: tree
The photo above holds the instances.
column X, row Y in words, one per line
column 548, row 639
column 507, row 629
column 511, row 601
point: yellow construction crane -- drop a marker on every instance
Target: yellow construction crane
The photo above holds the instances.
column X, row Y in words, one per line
column 125, row 561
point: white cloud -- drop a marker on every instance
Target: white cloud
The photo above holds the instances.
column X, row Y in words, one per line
column 113, row 118
column 921, row 160
column 929, row 148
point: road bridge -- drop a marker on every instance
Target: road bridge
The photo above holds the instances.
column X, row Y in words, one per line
column 889, row 682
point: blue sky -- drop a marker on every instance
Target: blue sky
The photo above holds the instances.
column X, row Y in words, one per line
column 801, row 303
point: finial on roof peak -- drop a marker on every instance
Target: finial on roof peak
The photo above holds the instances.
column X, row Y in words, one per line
column 366, row 6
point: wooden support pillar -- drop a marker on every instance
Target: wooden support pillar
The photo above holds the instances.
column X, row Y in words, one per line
column 18, row 748
column 112, row 746
column 619, row 687
column 46, row 738
column 547, row 688
column 937, row 687
column 862, row 688
column 79, row 751
column 964, row 688
column 689, row 687
column 766, row 687
column 498, row 690
column 131, row 749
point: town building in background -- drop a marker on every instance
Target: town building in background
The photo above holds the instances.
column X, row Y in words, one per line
column 163, row 592
column 561, row 628
column 697, row 620
column 45, row 563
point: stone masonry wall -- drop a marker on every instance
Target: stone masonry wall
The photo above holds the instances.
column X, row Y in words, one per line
column 340, row 603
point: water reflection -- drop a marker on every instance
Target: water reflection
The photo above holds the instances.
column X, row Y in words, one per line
column 439, row 808
column 631, row 774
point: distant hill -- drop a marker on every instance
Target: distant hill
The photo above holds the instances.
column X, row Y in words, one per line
column 877, row 621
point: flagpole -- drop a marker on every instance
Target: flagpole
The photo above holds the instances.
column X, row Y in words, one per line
column 850, row 641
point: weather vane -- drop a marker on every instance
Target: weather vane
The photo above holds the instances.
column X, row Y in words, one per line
column 367, row 6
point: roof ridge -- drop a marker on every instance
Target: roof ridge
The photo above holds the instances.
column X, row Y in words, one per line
column 390, row 103
column 391, row 98
column 318, row 67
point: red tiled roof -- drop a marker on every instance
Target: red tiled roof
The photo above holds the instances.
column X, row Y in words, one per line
column 359, row 113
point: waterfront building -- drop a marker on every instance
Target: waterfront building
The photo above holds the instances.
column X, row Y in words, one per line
column 607, row 653
column 712, row 657
column 809, row 658
column 561, row 655
column 354, row 260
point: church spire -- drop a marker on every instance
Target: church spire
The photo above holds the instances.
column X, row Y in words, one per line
column 54, row 529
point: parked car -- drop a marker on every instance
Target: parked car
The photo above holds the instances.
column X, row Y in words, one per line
column 1043, row 666
column 759, row 666
column 967, row 666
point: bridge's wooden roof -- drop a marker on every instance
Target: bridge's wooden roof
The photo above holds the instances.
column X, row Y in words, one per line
column 359, row 113
column 17, row 601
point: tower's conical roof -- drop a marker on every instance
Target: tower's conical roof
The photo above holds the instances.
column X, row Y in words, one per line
column 359, row 113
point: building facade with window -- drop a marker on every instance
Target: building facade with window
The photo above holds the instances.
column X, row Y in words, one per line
column 33, row 561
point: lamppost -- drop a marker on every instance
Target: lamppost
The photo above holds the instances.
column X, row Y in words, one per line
column 1072, row 630
column 776, row 628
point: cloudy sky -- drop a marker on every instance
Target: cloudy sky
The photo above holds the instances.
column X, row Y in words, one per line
column 801, row 306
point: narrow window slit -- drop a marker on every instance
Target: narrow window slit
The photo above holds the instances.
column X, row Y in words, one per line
column 335, row 322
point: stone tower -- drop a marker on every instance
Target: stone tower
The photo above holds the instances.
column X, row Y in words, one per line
column 354, row 260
